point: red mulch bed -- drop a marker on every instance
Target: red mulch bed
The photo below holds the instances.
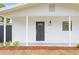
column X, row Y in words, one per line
column 38, row 48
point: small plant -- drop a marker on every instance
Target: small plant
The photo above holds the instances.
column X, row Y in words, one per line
column 77, row 46
column 16, row 43
column 7, row 44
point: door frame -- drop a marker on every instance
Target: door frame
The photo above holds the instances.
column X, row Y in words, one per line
column 43, row 38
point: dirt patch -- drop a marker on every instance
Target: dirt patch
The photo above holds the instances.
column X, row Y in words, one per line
column 39, row 50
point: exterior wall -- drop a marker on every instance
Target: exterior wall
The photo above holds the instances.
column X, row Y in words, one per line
column 75, row 30
column 64, row 9
column 53, row 33
column 19, row 29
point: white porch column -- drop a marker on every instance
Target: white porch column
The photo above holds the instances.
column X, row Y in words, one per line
column 69, row 31
column 4, row 30
column 26, row 30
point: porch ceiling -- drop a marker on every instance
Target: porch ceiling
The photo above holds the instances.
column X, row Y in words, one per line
column 15, row 7
column 4, row 11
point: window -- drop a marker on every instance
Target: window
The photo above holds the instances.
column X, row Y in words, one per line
column 8, row 29
column 65, row 26
column 1, row 29
column 51, row 7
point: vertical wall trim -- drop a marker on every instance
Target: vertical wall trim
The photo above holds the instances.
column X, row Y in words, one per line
column 69, row 31
column 4, row 30
column 27, row 30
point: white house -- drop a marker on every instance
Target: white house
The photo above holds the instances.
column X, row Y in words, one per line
column 43, row 24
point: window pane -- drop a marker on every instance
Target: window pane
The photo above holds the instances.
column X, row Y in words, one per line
column 1, row 33
column 8, row 21
column 65, row 26
column 8, row 33
column 1, row 29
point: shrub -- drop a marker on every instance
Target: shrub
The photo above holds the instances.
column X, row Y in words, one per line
column 7, row 44
column 16, row 43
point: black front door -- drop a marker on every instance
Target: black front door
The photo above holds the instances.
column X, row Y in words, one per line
column 40, row 31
